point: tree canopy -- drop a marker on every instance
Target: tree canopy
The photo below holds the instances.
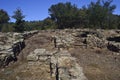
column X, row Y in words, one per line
column 64, row 14
column 18, row 15
column 99, row 13
column 4, row 17
column 19, row 24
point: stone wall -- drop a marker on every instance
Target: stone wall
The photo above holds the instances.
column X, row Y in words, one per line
column 62, row 65
column 11, row 45
column 63, row 39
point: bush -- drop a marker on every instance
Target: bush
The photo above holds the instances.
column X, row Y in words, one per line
column 7, row 28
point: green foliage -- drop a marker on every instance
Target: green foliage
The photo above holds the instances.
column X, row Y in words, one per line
column 83, row 12
column 7, row 28
column 18, row 15
column 48, row 23
column 4, row 17
column 65, row 15
column 33, row 25
column 4, row 28
column 118, row 21
column 19, row 24
column 100, row 14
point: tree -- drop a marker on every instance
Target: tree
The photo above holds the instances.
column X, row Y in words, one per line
column 7, row 28
column 33, row 25
column 4, row 18
column 65, row 15
column 110, row 18
column 118, row 22
column 100, row 13
column 83, row 12
column 48, row 23
column 19, row 24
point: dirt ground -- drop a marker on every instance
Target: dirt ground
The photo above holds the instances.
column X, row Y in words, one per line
column 98, row 64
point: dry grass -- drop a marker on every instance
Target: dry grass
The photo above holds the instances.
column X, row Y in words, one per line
column 98, row 64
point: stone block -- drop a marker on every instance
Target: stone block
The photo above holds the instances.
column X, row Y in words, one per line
column 32, row 57
column 39, row 52
column 65, row 61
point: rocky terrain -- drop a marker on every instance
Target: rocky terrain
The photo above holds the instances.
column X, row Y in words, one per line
column 70, row 54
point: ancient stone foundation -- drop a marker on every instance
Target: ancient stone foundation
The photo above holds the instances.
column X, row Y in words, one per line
column 53, row 61
column 62, row 66
column 11, row 45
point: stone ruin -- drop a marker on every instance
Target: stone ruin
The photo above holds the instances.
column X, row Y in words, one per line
column 59, row 64
column 87, row 38
column 63, row 39
column 11, row 45
column 62, row 66
column 114, row 43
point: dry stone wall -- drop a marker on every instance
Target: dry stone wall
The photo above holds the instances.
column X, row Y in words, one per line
column 114, row 43
column 57, row 63
column 11, row 44
column 63, row 39
column 86, row 38
column 62, row 65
